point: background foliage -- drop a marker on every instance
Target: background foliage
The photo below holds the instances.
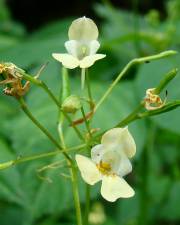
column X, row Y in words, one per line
column 27, row 197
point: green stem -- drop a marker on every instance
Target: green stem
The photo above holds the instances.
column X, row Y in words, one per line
column 166, row 108
column 51, row 95
column 75, row 189
column 65, row 93
column 135, row 114
column 166, row 79
column 83, row 77
column 65, row 84
column 131, row 117
column 76, row 195
column 128, row 66
column 61, row 135
column 87, row 206
column 43, row 86
column 42, row 128
column 88, row 86
column 86, row 122
column 19, row 160
column 75, row 127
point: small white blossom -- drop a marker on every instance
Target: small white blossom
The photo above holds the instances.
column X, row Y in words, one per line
column 82, row 45
column 110, row 163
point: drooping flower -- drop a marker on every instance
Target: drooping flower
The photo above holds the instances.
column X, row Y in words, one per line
column 110, row 163
column 82, row 45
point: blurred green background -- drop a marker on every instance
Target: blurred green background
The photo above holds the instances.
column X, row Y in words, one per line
column 30, row 31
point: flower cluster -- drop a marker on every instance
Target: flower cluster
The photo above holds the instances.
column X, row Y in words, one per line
column 110, row 163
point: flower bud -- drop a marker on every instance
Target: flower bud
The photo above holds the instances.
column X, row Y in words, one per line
column 71, row 104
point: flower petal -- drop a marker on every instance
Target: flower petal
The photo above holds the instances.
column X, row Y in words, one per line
column 67, row 60
column 89, row 171
column 125, row 166
column 122, row 139
column 90, row 60
column 96, row 153
column 114, row 187
column 83, row 29
column 129, row 144
column 112, row 136
column 71, row 47
column 80, row 49
column 93, row 46
column 112, row 158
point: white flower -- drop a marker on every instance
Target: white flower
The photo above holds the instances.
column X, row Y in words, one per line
column 110, row 163
column 82, row 45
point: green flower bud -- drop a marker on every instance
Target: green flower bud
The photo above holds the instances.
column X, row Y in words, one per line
column 71, row 104
column 5, row 165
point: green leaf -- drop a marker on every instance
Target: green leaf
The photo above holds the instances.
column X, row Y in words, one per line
column 8, row 109
column 38, row 48
column 157, row 188
column 58, row 197
column 117, row 106
column 128, row 210
column 170, row 210
column 42, row 48
column 12, row 214
column 53, row 30
column 7, row 42
column 10, row 180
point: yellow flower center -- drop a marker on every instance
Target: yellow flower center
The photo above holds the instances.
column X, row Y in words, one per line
column 104, row 168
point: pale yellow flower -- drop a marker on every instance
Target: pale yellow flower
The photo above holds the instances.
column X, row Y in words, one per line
column 82, row 45
column 110, row 163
